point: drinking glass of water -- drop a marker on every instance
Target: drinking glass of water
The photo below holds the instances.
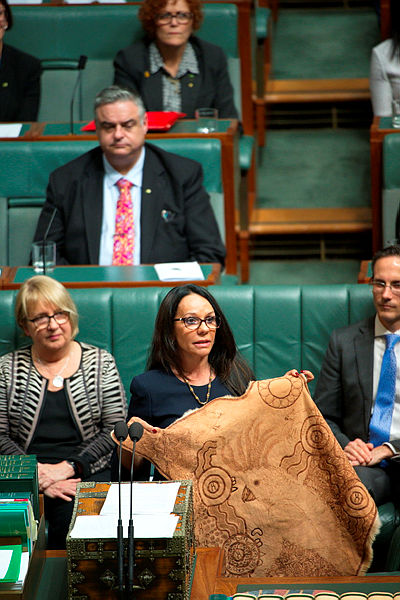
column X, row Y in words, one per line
column 43, row 253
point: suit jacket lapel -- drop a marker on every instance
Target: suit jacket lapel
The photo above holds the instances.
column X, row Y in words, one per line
column 153, row 193
column 364, row 352
column 92, row 201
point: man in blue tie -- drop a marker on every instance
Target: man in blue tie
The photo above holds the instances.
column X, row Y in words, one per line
column 358, row 390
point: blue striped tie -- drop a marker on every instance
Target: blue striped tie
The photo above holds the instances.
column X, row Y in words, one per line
column 381, row 420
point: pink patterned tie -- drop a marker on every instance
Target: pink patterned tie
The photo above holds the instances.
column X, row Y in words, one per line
column 124, row 232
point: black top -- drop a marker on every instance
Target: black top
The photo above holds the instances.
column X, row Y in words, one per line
column 160, row 398
column 19, row 85
column 56, row 435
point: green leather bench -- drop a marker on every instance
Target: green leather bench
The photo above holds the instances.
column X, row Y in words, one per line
column 27, row 166
column 276, row 328
column 390, row 185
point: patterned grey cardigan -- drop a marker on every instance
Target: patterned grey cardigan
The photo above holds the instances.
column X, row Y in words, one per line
column 96, row 398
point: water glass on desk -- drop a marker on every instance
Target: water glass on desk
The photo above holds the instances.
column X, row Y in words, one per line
column 396, row 113
column 43, row 252
column 206, row 119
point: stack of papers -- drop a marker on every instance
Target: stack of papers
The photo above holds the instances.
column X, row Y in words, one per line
column 152, row 508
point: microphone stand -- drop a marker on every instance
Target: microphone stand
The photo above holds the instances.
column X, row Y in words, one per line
column 81, row 66
column 120, row 531
column 131, row 537
column 121, row 433
column 135, row 433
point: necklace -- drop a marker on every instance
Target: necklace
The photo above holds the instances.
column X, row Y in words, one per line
column 194, row 393
column 57, row 380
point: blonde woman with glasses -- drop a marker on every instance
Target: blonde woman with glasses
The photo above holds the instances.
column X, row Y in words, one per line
column 59, row 400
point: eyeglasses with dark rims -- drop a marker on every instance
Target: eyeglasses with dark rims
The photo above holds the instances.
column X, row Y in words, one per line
column 212, row 322
column 42, row 321
column 182, row 17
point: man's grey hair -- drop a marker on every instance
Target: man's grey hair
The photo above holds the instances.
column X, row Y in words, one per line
column 115, row 93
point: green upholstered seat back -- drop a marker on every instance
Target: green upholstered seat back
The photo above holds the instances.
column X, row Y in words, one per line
column 27, row 166
column 391, row 185
column 25, row 174
column 275, row 327
column 99, row 31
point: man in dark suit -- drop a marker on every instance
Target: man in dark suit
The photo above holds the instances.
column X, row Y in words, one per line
column 172, row 216
column 349, row 383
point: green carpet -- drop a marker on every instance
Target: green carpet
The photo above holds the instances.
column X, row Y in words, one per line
column 300, row 272
column 314, row 168
column 323, row 44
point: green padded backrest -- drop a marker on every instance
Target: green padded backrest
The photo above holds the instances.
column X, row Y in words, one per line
column 276, row 327
column 25, row 174
column 26, row 166
column 391, row 185
column 207, row 151
column 294, row 323
column 99, row 31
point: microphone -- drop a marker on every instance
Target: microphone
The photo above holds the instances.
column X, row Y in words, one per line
column 45, row 238
column 135, row 433
column 121, row 433
column 81, row 65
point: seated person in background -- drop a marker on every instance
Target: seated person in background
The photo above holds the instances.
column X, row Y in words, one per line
column 193, row 359
column 358, row 390
column 166, row 216
column 19, row 77
column 385, row 68
column 59, row 399
column 171, row 68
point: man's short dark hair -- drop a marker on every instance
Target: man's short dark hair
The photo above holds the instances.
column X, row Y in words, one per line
column 393, row 250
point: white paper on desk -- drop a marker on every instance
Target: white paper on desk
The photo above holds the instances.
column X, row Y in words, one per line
column 180, row 271
column 148, row 498
column 10, row 130
column 25, row 2
column 5, row 558
column 92, row 1
column 144, row 526
column 24, row 566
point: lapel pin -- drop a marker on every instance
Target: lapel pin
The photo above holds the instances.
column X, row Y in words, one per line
column 4, row 84
column 146, row 74
column 147, row 191
column 190, row 84
column 166, row 215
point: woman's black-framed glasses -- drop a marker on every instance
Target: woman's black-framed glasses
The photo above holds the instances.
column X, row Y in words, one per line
column 212, row 322
column 42, row 321
column 182, row 17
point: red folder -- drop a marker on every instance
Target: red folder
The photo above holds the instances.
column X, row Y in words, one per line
column 158, row 120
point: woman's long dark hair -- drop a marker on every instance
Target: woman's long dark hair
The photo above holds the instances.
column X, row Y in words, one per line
column 224, row 358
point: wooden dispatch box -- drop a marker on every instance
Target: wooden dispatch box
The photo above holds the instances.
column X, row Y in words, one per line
column 163, row 566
